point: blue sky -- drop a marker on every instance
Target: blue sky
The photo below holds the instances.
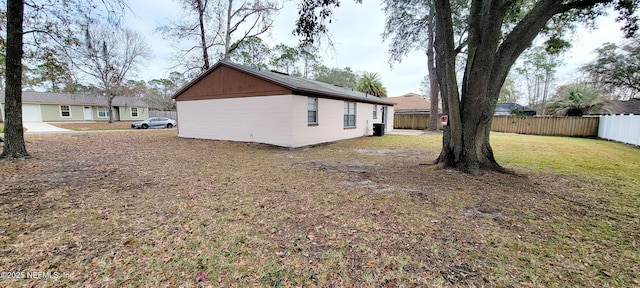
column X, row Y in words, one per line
column 356, row 31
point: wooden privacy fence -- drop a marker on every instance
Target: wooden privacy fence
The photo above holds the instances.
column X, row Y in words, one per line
column 168, row 114
column 411, row 121
column 547, row 125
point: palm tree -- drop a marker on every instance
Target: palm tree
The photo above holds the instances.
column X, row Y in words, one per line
column 577, row 100
column 370, row 83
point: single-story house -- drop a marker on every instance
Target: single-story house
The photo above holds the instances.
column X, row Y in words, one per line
column 506, row 109
column 631, row 106
column 66, row 107
column 411, row 103
column 239, row 103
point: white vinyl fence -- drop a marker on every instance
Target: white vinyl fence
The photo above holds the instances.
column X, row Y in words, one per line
column 622, row 128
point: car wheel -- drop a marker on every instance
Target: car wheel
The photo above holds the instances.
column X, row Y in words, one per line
column 169, row 125
column 144, row 126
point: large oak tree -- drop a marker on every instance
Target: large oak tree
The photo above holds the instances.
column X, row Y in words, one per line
column 498, row 31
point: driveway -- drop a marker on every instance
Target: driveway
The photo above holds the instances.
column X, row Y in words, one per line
column 41, row 127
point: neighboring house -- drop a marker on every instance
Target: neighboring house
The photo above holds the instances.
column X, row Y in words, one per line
column 506, row 109
column 412, row 111
column 411, row 103
column 239, row 103
column 65, row 107
column 631, row 106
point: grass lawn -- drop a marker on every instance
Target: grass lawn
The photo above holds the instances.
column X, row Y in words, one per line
column 154, row 210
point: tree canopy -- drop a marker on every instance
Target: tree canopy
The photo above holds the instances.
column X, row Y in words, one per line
column 370, row 83
column 538, row 69
column 617, row 69
column 341, row 77
column 211, row 27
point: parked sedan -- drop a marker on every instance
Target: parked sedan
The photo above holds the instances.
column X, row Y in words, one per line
column 154, row 122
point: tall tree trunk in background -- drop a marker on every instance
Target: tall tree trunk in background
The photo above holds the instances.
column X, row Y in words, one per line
column 14, row 145
column 434, row 90
column 110, row 104
column 203, row 38
column 227, row 35
column 547, row 82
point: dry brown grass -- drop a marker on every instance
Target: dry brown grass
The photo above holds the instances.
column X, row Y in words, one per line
column 84, row 126
column 151, row 209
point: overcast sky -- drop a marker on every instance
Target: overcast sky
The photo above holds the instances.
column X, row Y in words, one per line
column 356, row 31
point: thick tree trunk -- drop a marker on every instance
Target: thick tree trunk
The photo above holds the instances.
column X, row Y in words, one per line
column 14, row 145
column 490, row 55
column 466, row 145
column 434, row 90
column 469, row 149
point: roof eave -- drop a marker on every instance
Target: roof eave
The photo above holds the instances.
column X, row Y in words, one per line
column 293, row 88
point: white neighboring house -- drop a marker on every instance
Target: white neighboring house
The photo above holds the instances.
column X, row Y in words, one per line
column 239, row 103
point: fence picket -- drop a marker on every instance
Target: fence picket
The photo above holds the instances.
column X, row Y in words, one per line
column 622, row 128
column 545, row 125
column 168, row 114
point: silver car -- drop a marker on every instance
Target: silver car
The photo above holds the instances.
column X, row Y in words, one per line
column 154, row 122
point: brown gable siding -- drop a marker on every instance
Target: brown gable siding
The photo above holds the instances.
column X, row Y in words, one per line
column 226, row 82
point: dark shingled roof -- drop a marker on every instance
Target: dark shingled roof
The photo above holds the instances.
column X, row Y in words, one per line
column 626, row 107
column 507, row 108
column 31, row 97
column 298, row 85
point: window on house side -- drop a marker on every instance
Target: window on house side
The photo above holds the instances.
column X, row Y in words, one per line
column 375, row 111
column 312, row 110
column 134, row 112
column 65, row 111
column 349, row 114
column 103, row 112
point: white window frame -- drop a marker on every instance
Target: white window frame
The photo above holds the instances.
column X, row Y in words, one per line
column 68, row 111
column 137, row 112
column 104, row 110
column 349, row 107
column 375, row 111
column 315, row 104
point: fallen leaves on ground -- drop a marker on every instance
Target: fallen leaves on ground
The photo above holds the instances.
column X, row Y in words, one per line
column 86, row 126
column 150, row 209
